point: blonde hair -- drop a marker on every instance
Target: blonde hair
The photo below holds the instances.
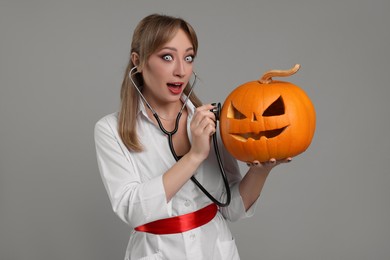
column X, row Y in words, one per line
column 150, row 34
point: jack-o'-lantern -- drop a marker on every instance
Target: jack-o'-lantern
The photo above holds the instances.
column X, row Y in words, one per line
column 267, row 119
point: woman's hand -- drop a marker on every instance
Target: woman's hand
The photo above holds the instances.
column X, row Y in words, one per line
column 202, row 128
column 266, row 167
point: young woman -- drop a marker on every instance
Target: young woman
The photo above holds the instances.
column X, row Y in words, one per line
column 169, row 216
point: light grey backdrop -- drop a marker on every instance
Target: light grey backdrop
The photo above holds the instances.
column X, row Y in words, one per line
column 61, row 66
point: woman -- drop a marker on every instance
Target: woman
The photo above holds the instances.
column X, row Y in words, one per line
column 169, row 216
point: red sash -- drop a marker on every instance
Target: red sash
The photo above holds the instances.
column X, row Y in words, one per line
column 181, row 223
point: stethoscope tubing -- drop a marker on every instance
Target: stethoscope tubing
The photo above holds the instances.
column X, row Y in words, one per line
column 171, row 147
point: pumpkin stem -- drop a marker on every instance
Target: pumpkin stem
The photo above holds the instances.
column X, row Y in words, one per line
column 267, row 77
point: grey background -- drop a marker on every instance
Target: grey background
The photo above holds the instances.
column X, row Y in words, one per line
column 61, row 66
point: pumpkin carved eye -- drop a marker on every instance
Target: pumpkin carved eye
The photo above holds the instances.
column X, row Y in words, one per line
column 233, row 113
column 276, row 108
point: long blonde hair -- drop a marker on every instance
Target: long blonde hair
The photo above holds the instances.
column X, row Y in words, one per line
column 150, row 34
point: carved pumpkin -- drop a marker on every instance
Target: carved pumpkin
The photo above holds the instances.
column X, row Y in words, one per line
column 267, row 119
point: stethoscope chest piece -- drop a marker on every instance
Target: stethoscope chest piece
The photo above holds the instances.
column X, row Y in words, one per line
column 216, row 110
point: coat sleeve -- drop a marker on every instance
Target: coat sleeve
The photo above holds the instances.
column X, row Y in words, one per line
column 236, row 209
column 134, row 201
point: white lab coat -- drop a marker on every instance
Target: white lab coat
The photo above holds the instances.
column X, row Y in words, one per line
column 134, row 185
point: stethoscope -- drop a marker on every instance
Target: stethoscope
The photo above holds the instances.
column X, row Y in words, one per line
column 170, row 134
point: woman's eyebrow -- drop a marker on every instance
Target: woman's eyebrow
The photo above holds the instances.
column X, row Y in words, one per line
column 174, row 49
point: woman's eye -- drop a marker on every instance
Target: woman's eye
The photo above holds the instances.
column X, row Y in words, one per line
column 189, row 58
column 167, row 57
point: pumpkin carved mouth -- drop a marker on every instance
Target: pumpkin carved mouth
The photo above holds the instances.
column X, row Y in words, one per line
column 243, row 137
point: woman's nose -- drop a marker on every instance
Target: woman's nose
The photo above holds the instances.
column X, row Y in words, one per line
column 179, row 69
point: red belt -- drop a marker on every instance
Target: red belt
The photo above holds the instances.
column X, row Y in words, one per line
column 181, row 223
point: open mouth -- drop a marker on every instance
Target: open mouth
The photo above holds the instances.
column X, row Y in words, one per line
column 175, row 87
column 256, row 136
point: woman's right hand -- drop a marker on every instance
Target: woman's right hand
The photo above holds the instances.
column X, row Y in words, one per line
column 202, row 128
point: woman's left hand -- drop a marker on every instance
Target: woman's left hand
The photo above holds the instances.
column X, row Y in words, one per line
column 268, row 165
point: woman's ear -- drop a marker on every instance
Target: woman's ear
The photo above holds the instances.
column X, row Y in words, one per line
column 135, row 60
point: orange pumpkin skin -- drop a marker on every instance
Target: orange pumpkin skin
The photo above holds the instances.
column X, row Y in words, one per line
column 260, row 121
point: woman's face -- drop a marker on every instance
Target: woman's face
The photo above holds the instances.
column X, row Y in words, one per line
column 168, row 70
